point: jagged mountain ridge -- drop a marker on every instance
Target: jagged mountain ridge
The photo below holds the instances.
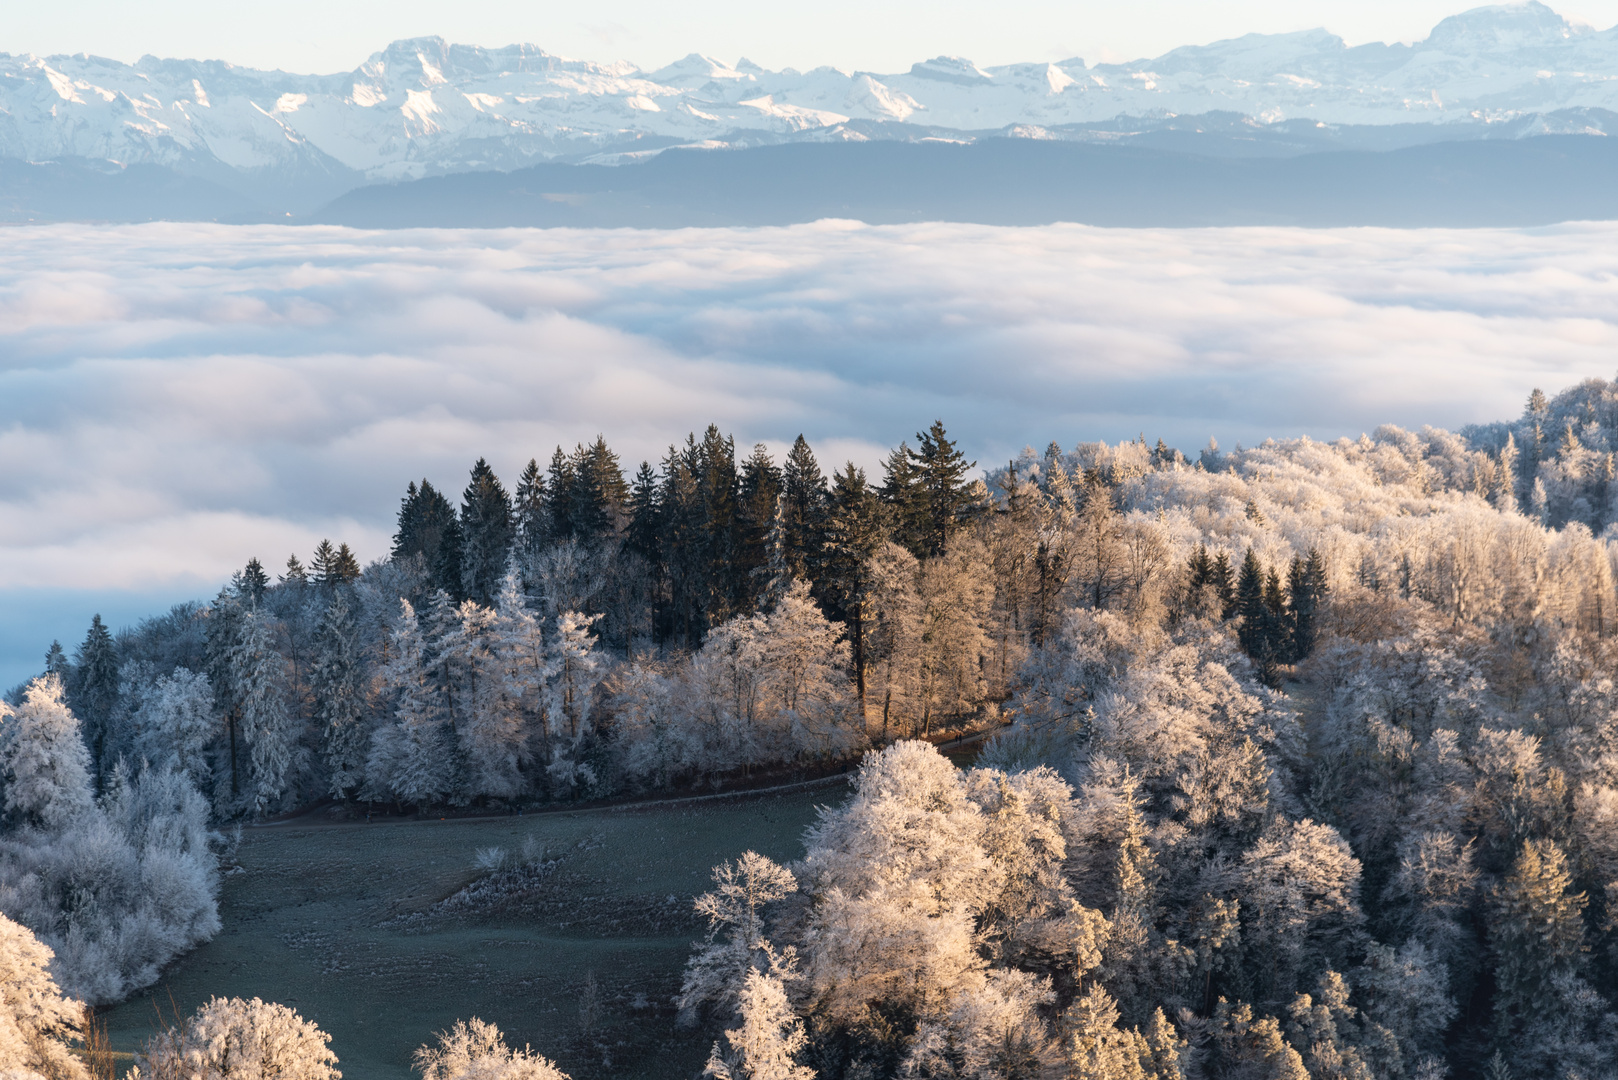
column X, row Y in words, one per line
column 423, row 107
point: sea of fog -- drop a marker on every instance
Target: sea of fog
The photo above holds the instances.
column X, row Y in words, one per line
column 177, row 398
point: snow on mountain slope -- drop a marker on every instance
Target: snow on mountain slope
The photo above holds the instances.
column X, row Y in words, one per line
column 424, row 107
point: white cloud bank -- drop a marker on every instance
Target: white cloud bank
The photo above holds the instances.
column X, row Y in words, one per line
column 176, row 398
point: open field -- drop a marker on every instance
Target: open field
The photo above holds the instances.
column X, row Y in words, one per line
column 339, row 921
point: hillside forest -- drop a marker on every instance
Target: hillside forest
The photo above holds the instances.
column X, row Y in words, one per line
column 1303, row 757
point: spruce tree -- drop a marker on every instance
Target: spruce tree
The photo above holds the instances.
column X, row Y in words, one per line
column 599, row 491
column 57, row 663
column 296, row 575
column 642, row 536
column 1249, row 605
column 337, row 683
column 95, row 693
column 803, row 514
column 486, row 535
column 322, row 565
column 561, row 487
column 714, row 466
column 346, row 567
column 940, row 482
column 528, row 512
column 1224, row 583
column 855, row 529
column 1536, row 932
column 253, row 580
column 428, row 529
column 900, row 492
column 759, row 492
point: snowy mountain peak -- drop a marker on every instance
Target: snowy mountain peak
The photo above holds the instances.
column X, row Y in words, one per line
column 952, row 69
column 1503, row 28
column 426, row 106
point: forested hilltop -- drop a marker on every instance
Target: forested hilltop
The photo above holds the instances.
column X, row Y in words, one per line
column 1305, row 760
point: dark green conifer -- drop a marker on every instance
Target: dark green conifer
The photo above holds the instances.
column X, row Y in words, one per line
column 941, row 486
column 94, row 693
column 486, row 535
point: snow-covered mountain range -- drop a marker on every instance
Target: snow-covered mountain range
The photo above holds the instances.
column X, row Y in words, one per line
column 424, row 107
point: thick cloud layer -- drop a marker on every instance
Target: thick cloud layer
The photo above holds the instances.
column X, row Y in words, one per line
column 176, row 398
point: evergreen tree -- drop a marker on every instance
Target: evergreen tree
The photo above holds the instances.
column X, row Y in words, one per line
column 56, row 662
column 599, row 493
column 941, row 487
column 1224, row 585
column 561, row 488
column 95, row 693
column 296, row 575
column 1307, row 589
column 253, row 580
column 224, row 627
column 338, row 687
column 757, row 499
column 257, row 681
column 854, row 533
column 332, row 566
column 900, row 493
column 322, row 566
column 713, row 465
column 1536, row 932
column 1255, row 632
column 486, row 535
column 803, row 516
column 530, row 532
column 43, row 761
column 427, row 528
column 1505, row 494
column 445, row 572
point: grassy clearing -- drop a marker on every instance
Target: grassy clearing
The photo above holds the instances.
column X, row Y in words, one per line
column 339, row 922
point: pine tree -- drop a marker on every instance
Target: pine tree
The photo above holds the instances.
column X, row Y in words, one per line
column 296, row 575
column 337, row 684
column 486, row 535
column 940, row 481
column 94, row 695
column 713, row 465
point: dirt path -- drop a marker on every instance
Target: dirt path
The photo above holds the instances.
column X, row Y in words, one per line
column 312, row 818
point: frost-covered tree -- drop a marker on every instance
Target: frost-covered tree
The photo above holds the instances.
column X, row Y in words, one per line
column 735, row 943
column 337, row 682
column 475, row 1050
column 230, row 1037
column 178, row 723
column 37, row 1022
column 411, row 758
column 46, row 764
column 770, row 1035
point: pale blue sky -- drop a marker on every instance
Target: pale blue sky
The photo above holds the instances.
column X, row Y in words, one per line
column 322, row 36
